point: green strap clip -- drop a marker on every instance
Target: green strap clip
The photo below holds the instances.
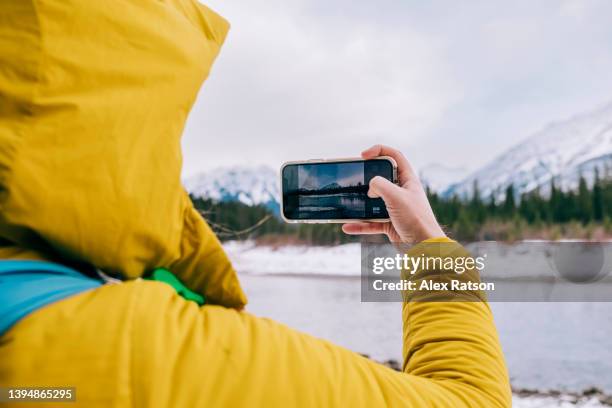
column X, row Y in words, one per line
column 164, row 275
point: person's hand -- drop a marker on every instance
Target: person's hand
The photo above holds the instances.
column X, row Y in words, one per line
column 412, row 219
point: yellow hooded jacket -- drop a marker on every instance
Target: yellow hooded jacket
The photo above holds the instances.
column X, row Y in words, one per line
column 93, row 100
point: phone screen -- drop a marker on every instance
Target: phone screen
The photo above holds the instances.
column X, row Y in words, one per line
column 333, row 190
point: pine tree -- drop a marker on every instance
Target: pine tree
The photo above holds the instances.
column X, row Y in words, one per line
column 491, row 207
column 584, row 202
column 598, row 200
column 509, row 206
column 554, row 204
column 477, row 207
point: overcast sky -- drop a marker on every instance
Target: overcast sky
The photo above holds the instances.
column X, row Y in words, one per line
column 445, row 82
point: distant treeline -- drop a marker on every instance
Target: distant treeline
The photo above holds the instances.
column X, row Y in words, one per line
column 583, row 213
column 557, row 213
column 235, row 220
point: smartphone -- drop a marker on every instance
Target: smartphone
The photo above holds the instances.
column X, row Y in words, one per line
column 324, row 191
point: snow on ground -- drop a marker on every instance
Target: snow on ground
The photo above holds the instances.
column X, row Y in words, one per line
column 554, row 402
column 526, row 259
column 333, row 260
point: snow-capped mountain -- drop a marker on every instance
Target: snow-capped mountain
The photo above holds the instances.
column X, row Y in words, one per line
column 249, row 185
column 331, row 186
column 563, row 150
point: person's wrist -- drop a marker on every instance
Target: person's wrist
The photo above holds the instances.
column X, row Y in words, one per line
column 426, row 232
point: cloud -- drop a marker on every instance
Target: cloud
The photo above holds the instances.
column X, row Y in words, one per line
column 294, row 85
column 445, row 82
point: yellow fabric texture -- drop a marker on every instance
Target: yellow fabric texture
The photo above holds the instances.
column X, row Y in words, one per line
column 93, row 100
column 139, row 344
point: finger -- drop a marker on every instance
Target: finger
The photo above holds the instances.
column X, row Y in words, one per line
column 391, row 193
column 405, row 171
column 360, row 228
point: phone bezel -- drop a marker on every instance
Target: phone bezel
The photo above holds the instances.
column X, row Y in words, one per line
column 332, row 221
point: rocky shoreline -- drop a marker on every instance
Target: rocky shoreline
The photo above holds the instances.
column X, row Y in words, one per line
column 575, row 398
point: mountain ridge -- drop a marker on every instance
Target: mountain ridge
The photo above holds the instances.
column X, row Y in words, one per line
column 251, row 185
column 562, row 151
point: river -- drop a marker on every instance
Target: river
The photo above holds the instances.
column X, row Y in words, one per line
column 562, row 346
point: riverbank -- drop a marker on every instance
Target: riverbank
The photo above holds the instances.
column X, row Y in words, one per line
column 591, row 397
column 525, row 260
column 588, row 398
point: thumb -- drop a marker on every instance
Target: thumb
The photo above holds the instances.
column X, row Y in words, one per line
column 380, row 187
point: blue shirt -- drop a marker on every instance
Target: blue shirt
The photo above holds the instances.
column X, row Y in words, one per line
column 26, row 286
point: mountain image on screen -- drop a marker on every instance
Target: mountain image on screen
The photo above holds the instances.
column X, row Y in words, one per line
column 331, row 190
column 331, row 186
